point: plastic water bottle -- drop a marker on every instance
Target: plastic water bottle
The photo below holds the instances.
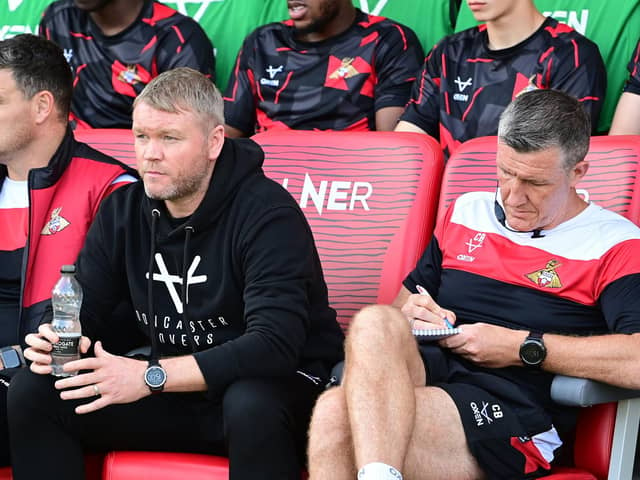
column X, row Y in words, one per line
column 66, row 299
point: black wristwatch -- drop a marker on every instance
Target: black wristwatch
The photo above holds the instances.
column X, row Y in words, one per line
column 532, row 351
column 155, row 376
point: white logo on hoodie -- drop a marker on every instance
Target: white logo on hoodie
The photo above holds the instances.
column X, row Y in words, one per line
column 170, row 280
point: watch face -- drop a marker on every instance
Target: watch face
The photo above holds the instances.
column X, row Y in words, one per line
column 155, row 376
column 10, row 358
column 532, row 353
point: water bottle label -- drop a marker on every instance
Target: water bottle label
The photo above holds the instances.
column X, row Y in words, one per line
column 66, row 347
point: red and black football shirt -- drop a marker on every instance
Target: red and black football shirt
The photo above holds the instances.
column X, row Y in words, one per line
column 109, row 71
column 335, row 84
column 464, row 86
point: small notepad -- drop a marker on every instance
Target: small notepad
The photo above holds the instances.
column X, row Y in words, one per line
column 433, row 334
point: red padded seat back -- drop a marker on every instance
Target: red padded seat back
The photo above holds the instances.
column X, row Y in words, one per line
column 612, row 181
column 370, row 198
column 116, row 142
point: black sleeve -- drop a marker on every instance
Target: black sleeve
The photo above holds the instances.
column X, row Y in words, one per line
column 423, row 108
column 278, row 266
column 398, row 61
column 101, row 275
column 577, row 68
column 45, row 20
column 239, row 100
column 633, row 82
column 187, row 45
column 428, row 270
column 620, row 303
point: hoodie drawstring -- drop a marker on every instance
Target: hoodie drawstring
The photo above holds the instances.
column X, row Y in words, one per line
column 155, row 215
column 185, row 285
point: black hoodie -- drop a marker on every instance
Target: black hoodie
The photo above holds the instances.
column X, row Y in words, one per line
column 256, row 299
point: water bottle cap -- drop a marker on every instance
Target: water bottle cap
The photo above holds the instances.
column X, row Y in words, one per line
column 68, row 269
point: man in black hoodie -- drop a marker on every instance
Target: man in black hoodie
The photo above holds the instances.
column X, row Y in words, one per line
column 220, row 268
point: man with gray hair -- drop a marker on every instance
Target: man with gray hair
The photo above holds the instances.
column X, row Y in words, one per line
column 222, row 273
column 552, row 286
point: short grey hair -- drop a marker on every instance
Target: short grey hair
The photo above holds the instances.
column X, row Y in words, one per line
column 184, row 89
column 542, row 119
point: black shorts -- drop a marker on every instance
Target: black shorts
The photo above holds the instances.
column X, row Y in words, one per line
column 493, row 424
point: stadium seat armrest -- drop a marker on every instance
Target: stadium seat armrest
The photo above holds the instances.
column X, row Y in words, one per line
column 336, row 373
column 581, row 392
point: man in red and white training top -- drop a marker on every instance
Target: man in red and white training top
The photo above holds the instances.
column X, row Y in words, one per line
column 50, row 190
column 470, row 77
column 329, row 67
column 540, row 283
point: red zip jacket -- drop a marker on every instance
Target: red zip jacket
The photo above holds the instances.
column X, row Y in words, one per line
column 64, row 197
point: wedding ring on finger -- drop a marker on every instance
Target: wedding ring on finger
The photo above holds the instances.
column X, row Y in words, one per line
column 96, row 389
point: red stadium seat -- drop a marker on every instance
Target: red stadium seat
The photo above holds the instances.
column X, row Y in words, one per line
column 607, row 429
column 116, row 142
column 164, row 466
column 613, row 179
column 370, row 198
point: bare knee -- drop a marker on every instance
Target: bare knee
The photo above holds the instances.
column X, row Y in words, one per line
column 329, row 427
column 377, row 326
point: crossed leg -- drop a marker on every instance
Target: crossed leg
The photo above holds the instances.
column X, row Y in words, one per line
column 384, row 413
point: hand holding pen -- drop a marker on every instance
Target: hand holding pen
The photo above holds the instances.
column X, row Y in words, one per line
column 433, row 307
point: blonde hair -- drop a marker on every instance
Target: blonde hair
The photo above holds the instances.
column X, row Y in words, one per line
column 184, row 89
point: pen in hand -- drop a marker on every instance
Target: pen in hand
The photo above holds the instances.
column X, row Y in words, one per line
column 423, row 291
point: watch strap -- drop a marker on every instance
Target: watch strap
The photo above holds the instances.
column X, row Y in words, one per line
column 535, row 335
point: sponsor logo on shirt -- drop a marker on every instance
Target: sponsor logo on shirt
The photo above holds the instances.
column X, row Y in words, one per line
column 346, row 70
column 68, row 54
column 462, row 86
column 56, row 223
column 475, row 242
column 546, row 277
column 272, row 72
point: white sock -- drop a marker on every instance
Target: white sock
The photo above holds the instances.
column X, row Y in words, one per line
column 378, row 471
